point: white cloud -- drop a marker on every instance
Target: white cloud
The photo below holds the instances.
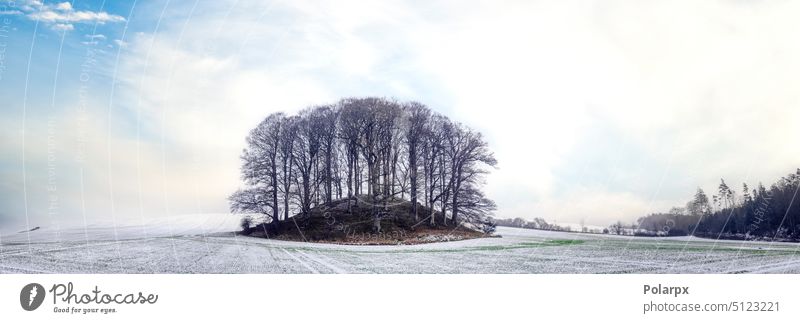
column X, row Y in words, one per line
column 75, row 16
column 93, row 40
column 10, row 12
column 29, row 5
column 95, row 37
column 63, row 27
column 62, row 16
column 64, row 6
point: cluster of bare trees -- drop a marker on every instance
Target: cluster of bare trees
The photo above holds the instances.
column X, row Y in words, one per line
column 369, row 150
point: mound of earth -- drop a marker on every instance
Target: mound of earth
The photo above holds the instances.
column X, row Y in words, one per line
column 351, row 221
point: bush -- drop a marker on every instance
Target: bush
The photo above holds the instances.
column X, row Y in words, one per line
column 488, row 227
column 247, row 222
column 673, row 232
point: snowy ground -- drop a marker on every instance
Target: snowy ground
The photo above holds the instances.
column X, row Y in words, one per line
column 205, row 245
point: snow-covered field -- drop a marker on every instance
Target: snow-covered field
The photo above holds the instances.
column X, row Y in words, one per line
column 205, row 244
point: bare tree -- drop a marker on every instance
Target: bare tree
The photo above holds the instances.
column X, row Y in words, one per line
column 418, row 116
column 468, row 152
column 618, row 228
column 475, row 208
column 327, row 133
column 288, row 136
column 351, row 126
column 251, row 200
column 260, row 169
column 432, row 153
column 387, row 114
column 307, row 148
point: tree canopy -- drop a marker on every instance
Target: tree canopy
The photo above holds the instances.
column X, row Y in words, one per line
column 366, row 150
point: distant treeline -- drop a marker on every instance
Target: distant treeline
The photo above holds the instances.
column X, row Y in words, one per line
column 540, row 224
column 759, row 213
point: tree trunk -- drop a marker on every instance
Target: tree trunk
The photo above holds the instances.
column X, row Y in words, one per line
column 328, row 174
column 287, row 184
column 376, row 223
column 349, row 183
column 274, row 179
column 412, row 162
column 445, row 189
column 455, row 207
column 433, row 215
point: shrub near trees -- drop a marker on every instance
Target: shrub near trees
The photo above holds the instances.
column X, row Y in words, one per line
column 365, row 150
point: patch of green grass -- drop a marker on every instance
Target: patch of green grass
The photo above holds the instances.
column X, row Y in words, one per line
column 564, row 242
column 524, row 245
column 682, row 247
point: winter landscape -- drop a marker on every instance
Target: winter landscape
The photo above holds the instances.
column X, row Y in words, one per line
column 210, row 246
column 398, row 137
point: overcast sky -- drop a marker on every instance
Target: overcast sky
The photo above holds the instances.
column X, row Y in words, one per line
column 596, row 111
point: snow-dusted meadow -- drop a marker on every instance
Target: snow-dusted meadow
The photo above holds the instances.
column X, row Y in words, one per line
column 205, row 244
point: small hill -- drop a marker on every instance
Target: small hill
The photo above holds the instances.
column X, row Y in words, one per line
column 350, row 221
